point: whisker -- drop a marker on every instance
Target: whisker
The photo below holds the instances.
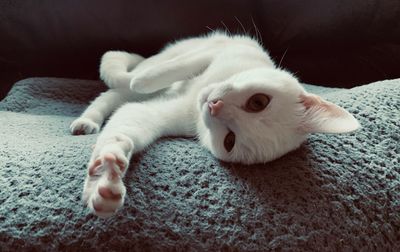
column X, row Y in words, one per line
column 244, row 30
column 226, row 27
column 210, row 29
column 283, row 56
column 258, row 34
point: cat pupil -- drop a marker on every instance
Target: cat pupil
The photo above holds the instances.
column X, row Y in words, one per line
column 229, row 141
column 258, row 103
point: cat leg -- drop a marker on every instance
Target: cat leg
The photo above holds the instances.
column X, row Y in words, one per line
column 133, row 127
column 104, row 191
column 101, row 108
column 164, row 74
column 116, row 67
column 129, row 130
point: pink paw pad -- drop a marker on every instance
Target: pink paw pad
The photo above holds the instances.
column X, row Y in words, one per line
column 94, row 167
column 106, row 193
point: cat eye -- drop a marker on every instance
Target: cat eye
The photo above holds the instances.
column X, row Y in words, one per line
column 257, row 103
column 229, row 141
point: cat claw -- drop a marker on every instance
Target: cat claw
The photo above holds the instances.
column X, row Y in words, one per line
column 84, row 126
column 104, row 191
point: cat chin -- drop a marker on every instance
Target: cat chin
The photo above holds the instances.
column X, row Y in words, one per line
column 205, row 115
column 202, row 98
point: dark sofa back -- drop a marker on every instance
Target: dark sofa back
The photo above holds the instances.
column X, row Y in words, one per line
column 339, row 43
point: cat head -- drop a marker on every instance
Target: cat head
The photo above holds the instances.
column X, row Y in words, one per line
column 261, row 114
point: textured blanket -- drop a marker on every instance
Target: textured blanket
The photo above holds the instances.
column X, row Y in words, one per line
column 336, row 192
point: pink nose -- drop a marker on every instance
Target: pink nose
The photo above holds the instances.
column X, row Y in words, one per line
column 215, row 107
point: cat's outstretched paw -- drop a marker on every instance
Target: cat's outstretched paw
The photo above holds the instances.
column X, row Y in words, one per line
column 104, row 191
column 84, row 126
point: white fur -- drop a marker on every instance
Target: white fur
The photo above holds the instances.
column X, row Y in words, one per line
column 181, row 80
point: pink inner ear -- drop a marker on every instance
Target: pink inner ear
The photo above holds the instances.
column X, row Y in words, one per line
column 314, row 101
column 324, row 116
column 310, row 100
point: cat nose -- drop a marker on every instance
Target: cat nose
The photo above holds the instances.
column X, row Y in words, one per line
column 215, row 107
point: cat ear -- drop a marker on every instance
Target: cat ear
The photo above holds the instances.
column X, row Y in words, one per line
column 321, row 116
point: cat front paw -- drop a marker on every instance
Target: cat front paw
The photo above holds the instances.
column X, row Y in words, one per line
column 84, row 126
column 104, row 191
column 141, row 85
column 147, row 82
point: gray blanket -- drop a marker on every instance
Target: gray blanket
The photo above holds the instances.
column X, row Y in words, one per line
column 336, row 192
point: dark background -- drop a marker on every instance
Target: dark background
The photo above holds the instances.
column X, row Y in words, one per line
column 327, row 42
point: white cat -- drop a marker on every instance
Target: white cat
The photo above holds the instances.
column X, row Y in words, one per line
column 223, row 89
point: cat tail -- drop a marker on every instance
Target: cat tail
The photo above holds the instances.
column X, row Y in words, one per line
column 115, row 68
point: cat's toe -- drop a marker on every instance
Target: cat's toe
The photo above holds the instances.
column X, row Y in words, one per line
column 84, row 126
column 104, row 190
